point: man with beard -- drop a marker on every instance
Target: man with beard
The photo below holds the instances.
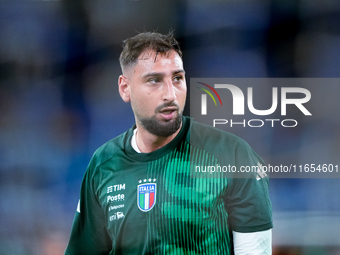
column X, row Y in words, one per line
column 141, row 194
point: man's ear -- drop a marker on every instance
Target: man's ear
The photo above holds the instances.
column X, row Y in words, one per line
column 124, row 88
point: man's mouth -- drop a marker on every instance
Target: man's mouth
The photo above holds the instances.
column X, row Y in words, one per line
column 168, row 113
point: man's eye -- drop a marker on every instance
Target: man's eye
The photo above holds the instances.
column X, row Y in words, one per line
column 154, row 80
column 178, row 78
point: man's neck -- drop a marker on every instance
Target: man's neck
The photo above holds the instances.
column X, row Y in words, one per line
column 147, row 142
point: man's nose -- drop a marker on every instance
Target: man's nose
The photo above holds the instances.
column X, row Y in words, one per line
column 169, row 91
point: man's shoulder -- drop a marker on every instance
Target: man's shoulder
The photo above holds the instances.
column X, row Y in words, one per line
column 109, row 149
column 202, row 134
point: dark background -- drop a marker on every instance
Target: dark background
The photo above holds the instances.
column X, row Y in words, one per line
column 59, row 102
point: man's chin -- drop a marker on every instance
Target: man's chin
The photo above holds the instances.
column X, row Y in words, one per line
column 162, row 127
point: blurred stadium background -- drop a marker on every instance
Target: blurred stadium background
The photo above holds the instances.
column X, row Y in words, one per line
column 59, row 102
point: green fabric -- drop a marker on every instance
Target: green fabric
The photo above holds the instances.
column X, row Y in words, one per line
column 194, row 212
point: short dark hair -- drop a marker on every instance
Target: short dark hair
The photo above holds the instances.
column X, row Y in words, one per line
column 137, row 44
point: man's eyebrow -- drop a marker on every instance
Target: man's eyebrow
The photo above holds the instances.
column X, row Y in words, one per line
column 179, row 71
column 153, row 74
column 162, row 74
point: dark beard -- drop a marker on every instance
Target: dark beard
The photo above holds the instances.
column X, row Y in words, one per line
column 166, row 129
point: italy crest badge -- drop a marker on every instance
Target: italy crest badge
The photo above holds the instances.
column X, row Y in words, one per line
column 146, row 196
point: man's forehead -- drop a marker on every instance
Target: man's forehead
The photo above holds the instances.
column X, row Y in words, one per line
column 152, row 59
column 149, row 59
column 152, row 55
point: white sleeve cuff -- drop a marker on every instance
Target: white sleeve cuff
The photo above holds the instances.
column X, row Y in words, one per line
column 256, row 243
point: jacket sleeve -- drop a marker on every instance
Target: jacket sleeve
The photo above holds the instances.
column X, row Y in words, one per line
column 247, row 201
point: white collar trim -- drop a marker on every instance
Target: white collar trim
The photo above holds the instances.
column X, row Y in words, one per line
column 134, row 141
